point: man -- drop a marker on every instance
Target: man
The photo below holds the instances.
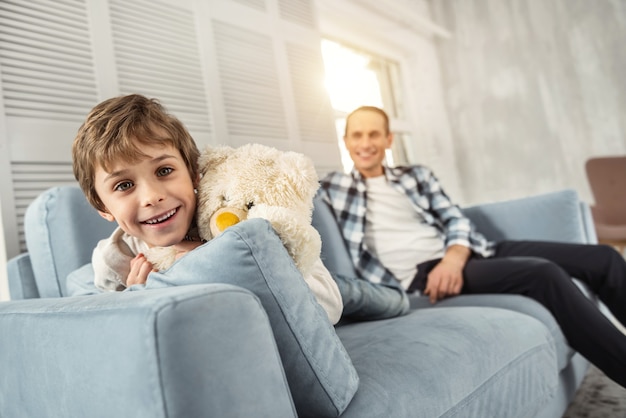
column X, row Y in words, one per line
column 401, row 228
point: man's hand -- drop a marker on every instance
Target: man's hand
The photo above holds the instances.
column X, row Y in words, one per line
column 140, row 267
column 446, row 278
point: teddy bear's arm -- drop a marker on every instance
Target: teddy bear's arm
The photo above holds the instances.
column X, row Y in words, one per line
column 301, row 240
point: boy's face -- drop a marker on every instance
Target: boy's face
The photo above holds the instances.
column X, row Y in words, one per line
column 366, row 140
column 152, row 199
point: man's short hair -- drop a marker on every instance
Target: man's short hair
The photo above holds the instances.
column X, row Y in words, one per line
column 116, row 129
column 371, row 109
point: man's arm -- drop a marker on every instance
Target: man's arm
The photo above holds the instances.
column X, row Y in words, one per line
column 456, row 227
column 446, row 278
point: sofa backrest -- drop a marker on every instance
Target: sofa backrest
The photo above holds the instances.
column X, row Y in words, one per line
column 61, row 230
column 334, row 255
column 554, row 216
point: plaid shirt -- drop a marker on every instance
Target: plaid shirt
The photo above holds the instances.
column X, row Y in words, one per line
column 347, row 197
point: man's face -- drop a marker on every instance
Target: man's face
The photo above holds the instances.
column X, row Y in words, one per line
column 366, row 140
column 152, row 199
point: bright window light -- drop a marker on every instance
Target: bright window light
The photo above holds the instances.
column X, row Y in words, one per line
column 349, row 80
column 350, row 83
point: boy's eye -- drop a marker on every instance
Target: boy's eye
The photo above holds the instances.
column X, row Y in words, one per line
column 164, row 171
column 123, row 186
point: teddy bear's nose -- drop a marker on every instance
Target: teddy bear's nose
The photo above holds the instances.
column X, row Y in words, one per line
column 226, row 219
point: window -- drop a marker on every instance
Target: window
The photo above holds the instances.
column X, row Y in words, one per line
column 355, row 78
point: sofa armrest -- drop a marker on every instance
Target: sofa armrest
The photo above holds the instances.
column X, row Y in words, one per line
column 588, row 226
column 548, row 217
column 22, row 284
column 204, row 350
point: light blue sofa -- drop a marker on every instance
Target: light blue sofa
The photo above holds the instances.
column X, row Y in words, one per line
column 244, row 338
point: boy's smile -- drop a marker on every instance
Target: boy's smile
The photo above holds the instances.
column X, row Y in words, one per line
column 151, row 199
column 161, row 219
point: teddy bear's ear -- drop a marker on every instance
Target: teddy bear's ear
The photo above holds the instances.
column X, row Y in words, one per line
column 212, row 157
column 300, row 172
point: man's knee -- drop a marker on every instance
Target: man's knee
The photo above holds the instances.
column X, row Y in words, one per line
column 548, row 274
column 609, row 253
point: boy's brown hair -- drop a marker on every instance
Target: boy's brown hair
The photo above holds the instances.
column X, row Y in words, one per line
column 116, row 129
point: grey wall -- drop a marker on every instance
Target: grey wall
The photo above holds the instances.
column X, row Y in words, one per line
column 533, row 88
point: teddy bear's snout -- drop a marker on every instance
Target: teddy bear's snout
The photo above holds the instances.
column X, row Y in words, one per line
column 224, row 218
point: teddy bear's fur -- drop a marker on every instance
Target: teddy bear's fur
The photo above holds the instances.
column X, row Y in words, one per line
column 257, row 181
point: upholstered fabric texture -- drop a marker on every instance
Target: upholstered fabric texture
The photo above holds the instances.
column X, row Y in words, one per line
column 124, row 354
column 549, row 217
column 250, row 254
column 61, row 230
column 462, row 362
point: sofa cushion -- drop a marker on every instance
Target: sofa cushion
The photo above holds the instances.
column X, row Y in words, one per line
column 334, row 252
column 320, row 374
column 451, row 362
column 80, row 282
column 517, row 303
column 61, row 230
column 22, row 283
column 546, row 217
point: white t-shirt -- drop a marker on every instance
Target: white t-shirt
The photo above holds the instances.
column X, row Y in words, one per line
column 396, row 233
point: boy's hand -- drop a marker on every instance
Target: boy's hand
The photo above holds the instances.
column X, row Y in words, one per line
column 140, row 267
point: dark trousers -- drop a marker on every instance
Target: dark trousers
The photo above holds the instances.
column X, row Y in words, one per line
column 542, row 271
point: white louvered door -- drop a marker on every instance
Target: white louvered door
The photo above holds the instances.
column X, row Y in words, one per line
column 48, row 82
column 268, row 57
column 157, row 54
column 234, row 71
column 249, row 84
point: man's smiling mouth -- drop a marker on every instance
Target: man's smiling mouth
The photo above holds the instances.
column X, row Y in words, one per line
column 365, row 154
column 161, row 218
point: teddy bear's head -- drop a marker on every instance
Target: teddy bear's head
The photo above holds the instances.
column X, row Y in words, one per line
column 239, row 181
column 255, row 181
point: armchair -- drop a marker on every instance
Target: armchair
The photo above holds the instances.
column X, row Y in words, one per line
column 128, row 354
column 607, row 178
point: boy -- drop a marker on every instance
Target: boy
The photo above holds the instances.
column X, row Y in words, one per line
column 137, row 165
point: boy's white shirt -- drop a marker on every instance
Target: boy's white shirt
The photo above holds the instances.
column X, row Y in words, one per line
column 325, row 290
column 111, row 264
column 111, row 259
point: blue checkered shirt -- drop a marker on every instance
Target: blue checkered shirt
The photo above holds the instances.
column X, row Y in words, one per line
column 347, row 197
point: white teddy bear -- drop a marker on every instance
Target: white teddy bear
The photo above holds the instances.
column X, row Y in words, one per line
column 256, row 181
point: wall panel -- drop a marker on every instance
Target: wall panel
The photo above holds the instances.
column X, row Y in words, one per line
column 533, row 90
column 60, row 58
